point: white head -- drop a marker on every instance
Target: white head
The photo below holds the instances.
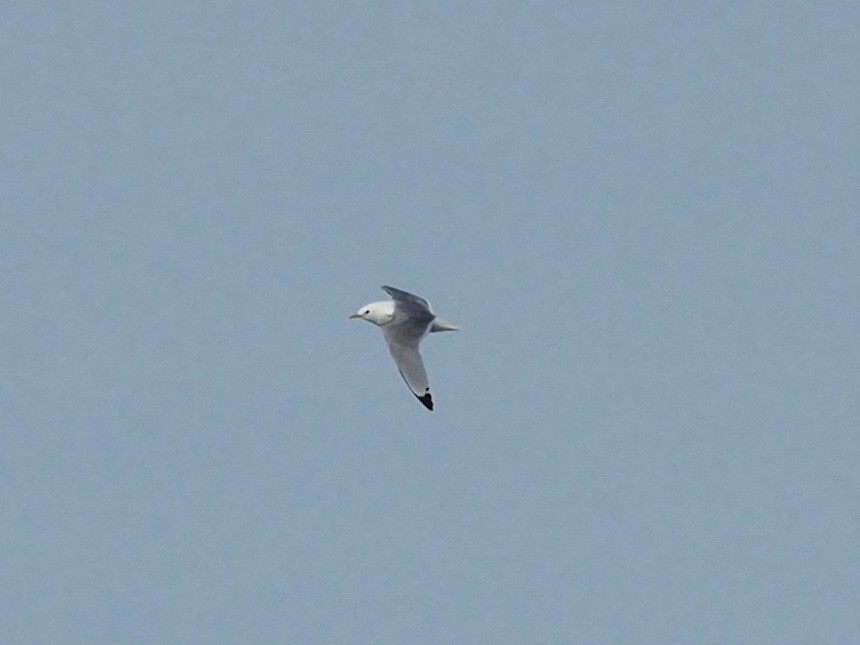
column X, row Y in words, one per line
column 379, row 313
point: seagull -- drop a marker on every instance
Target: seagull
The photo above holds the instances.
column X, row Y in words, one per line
column 405, row 321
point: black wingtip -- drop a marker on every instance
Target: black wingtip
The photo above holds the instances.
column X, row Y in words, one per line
column 427, row 400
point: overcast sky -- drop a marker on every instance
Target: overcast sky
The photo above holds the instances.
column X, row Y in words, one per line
column 645, row 215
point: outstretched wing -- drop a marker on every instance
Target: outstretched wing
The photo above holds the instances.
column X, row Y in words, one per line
column 407, row 299
column 412, row 319
column 402, row 341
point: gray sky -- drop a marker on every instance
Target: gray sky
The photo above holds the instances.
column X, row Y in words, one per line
column 644, row 214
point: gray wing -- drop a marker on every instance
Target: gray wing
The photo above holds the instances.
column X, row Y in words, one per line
column 409, row 301
column 402, row 340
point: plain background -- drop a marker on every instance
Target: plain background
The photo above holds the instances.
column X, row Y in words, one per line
column 645, row 215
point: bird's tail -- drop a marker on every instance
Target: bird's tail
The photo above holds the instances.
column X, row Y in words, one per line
column 442, row 325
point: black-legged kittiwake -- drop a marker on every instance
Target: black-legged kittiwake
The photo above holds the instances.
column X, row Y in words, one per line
column 405, row 321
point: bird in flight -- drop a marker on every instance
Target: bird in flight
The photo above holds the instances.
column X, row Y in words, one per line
column 405, row 321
